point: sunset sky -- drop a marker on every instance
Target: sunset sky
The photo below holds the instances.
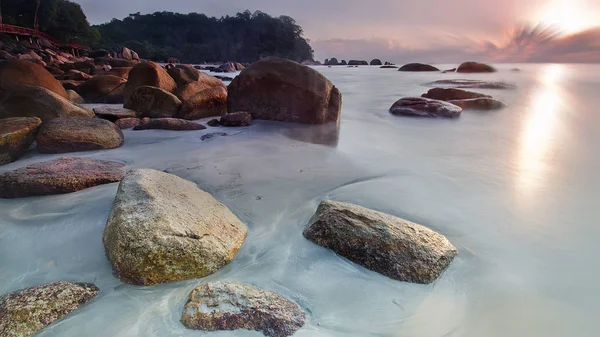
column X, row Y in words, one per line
column 434, row 31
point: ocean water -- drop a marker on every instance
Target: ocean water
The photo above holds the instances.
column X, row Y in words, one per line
column 517, row 191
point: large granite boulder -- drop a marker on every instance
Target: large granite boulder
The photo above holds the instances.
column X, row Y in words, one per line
column 475, row 67
column 375, row 62
column 418, row 67
column 206, row 103
column 74, row 97
column 184, row 74
column 283, row 90
column 234, row 305
column 27, row 311
column 72, row 134
column 148, row 74
column 116, row 96
column 481, row 103
column 21, row 72
column 126, row 53
column 240, row 118
column 28, row 101
column 173, row 124
column 112, row 113
column 96, row 89
column 424, row 107
column 204, row 82
column 153, row 102
column 397, row 248
column 163, row 229
column 16, row 135
column 70, row 85
column 449, row 94
column 63, row 175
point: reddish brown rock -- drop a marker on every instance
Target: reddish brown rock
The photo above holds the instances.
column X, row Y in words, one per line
column 482, row 103
column 112, row 113
column 148, row 74
column 184, row 74
column 424, row 107
column 240, row 118
column 96, row 89
column 122, row 72
column 116, row 96
column 63, row 175
column 72, row 134
column 21, row 72
column 449, row 94
column 74, row 97
column 174, row 124
column 70, row 85
column 205, row 81
column 153, row 102
column 207, row 103
column 16, row 135
column 283, row 90
column 127, row 123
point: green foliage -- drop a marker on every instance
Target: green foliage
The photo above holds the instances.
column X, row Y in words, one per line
column 61, row 19
column 195, row 37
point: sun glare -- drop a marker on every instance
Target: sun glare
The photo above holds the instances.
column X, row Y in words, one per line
column 570, row 16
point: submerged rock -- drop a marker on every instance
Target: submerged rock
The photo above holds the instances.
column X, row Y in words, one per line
column 213, row 123
column 26, row 101
column 174, row 124
column 163, row 229
column 475, row 67
column 449, row 94
column 389, row 67
column 153, row 102
column 27, row 311
column 16, row 135
column 206, row 103
column 233, row 305
column 397, row 248
column 112, row 113
column 212, row 135
column 240, row 118
column 424, row 107
column 282, row 90
column 72, row 134
column 62, row 175
column 21, row 72
column 482, row 103
column 470, row 84
column 418, row 67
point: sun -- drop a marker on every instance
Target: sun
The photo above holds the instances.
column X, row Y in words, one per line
column 570, row 16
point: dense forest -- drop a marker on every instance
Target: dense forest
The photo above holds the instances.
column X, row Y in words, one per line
column 195, row 37
column 245, row 37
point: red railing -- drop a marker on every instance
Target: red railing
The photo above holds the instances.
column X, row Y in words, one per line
column 10, row 29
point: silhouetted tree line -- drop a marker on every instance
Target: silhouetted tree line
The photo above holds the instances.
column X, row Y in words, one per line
column 245, row 37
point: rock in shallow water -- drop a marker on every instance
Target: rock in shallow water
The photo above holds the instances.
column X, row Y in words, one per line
column 71, row 134
column 470, row 84
column 114, row 113
column 16, row 135
column 127, row 123
column 389, row 245
column 62, row 175
column 27, row 311
column 240, row 118
column 418, row 67
column 424, row 107
column 482, row 103
column 173, row 124
column 449, row 94
column 163, row 229
column 153, row 102
column 234, row 305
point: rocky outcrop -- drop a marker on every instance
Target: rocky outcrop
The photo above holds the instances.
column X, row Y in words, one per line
column 127, row 123
column 206, row 103
column 113, row 113
column 174, row 124
column 73, row 134
column 331, row 62
column 63, row 175
column 475, row 67
column 148, row 74
column 449, row 94
column 184, row 74
column 240, row 118
column 424, row 107
column 153, row 102
column 418, row 67
column 16, row 136
column 163, row 229
column 74, row 97
column 357, row 63
column 397, row 248
column 283, row 90
column 470, row 84
column 483, row 103
column 229, row 67
column 28, row 101
column 96, row 89
column 375, row 62
column 234, row 305
column 20, row 72
column 27, row 311
column 116, row 96
column 204, row 82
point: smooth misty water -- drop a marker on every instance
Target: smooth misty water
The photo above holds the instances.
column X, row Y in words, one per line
column 516, row 190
